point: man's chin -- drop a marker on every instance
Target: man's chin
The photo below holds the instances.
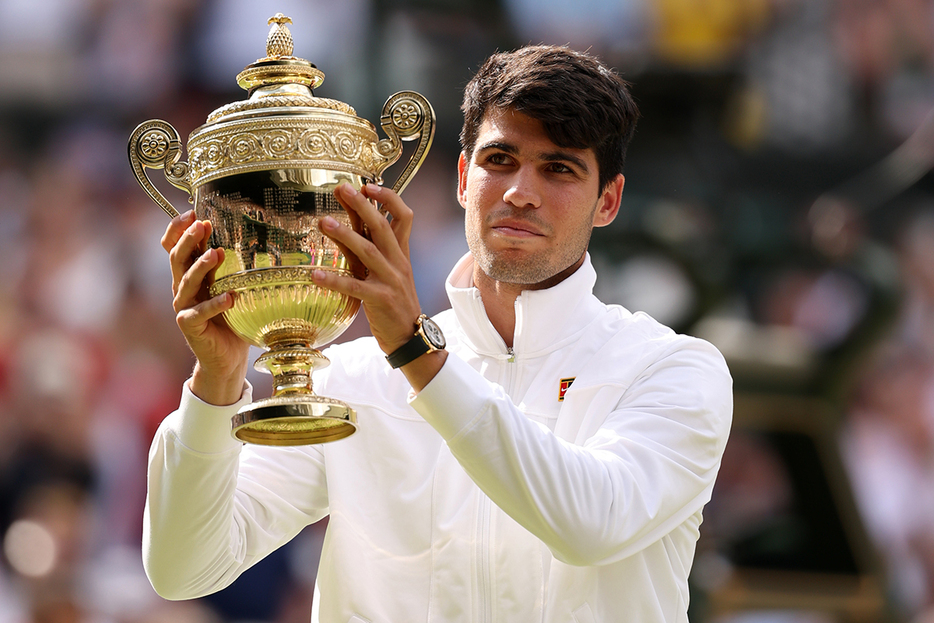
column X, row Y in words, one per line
column 517, row 268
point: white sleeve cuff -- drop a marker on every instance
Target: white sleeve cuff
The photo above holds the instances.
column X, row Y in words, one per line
column 454, row 399
column 204, row 427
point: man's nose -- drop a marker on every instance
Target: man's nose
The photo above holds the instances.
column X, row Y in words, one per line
column 524, row 190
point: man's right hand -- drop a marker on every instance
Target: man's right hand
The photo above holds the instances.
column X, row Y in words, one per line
column 220, row 370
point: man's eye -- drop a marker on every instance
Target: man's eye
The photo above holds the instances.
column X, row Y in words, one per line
column 498, row 159
column 558, row 167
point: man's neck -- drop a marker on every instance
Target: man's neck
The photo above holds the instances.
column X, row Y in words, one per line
column 499, row 302
column 499, row 298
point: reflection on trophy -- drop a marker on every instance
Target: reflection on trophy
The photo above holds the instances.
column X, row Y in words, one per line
column 263, row 171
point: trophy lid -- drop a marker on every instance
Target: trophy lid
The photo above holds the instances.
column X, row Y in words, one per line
column 282, row 126
column 279, row 79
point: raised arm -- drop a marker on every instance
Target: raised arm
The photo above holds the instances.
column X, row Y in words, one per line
column 220, row 369
column 203, row 524
column 640, row 459
column 387, row 291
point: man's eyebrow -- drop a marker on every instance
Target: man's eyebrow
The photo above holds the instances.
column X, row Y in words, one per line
column 509, row 148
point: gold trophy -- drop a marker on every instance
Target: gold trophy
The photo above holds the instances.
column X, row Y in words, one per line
column 264, row 171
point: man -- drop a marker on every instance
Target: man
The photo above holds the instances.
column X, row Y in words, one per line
column 550, row 463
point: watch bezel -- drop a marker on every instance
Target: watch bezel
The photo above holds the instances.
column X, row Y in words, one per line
column 433, row 335
column 428, row 338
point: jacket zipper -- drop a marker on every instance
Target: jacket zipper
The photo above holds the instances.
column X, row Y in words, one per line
column 485, row 562
column 484, row 555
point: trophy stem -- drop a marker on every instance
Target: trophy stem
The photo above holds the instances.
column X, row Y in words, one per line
column 293, row 415
column 291, row 366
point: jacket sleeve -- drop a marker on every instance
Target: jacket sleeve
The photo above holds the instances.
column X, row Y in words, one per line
column 649, row 464
column 215, row 507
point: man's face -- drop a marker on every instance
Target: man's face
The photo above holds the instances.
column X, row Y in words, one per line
column 531, row 205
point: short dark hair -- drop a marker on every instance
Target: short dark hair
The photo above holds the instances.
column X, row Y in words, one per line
column 580, row 102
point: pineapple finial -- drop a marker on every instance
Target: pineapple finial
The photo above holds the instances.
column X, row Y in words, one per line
column 279, row 40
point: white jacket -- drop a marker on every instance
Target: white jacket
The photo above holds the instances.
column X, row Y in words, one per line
column 486, row 498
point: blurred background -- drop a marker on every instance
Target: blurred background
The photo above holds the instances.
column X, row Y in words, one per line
column 779, row 202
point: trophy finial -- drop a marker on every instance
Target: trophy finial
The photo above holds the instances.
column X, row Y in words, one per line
column 279, row 41
column 279, row 68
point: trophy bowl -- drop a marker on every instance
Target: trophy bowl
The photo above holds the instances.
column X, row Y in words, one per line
column 263, row 171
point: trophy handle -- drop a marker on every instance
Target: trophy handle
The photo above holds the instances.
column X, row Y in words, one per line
column 155, row 144
column 406, row 116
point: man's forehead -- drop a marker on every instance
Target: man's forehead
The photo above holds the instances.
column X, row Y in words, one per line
column 511, row 121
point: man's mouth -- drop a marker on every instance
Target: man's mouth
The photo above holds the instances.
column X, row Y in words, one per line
column 517, row 228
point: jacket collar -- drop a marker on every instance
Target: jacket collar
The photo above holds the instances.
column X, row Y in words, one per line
column 545, row 319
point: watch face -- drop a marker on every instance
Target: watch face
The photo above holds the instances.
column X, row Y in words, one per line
column 433, row 333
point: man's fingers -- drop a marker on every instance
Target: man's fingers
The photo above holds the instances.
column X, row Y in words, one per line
column 192, row 286
column 175, row 229
column 188, row 247
column 331, row 280
column 357, row 267
column 401, row 213
column 192, row 320
column 364, row 255
column 384, row 236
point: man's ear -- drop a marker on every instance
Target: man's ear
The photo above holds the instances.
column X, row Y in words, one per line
column 608, row 204
column 462, row 166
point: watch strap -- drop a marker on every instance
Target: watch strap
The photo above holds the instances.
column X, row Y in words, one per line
column 413, row 349
column 408, row 352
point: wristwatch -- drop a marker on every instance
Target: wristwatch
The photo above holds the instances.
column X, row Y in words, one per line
column 428, row 337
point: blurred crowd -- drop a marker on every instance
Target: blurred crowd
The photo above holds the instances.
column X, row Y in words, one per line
column 779, row 202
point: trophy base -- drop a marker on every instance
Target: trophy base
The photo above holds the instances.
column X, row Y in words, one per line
column 294, row 420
